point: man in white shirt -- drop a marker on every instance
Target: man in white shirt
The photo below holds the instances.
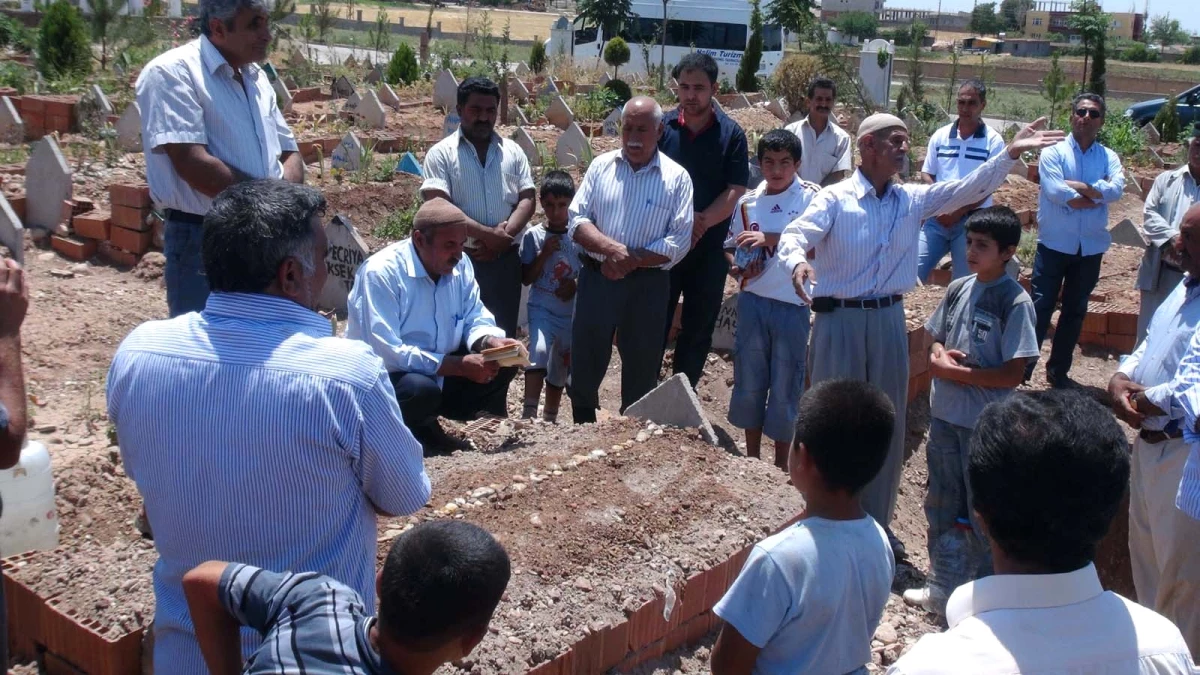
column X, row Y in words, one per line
column 826, row 146
column 417, row 304
column 209, row 120
column 956, row 150
column 1048, row 471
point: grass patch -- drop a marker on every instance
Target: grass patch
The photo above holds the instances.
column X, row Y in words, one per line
column 398, row 224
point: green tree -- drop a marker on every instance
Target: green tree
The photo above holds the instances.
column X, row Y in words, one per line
column 607, row 14
column 104, row 18
column 1167, row 121
column 325, row 14
column 1166, row 31
column 793, row 15
column 1191, row 57
column 403, row 66
column 747, row 78
column 616, row 54
column 280, row 11
column 860, row 25
column 1092, row 25
column 984, row 20
column 537, row 56
column 1096, row 83
column 1054, row 86
column 63, row 45
column 379, row 37
column 1012, row 13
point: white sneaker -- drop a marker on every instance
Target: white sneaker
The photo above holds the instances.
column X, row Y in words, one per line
column 926, row 599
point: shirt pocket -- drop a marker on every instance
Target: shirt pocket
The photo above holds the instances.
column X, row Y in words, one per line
column 984, row 338
column 456, row 335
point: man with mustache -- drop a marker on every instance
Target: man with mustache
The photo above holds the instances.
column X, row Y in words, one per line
column 825, row 146
column 864, row 234
column 488, row 178
column 1164, row 543
column 417, row 303
column 209, row 120
column 1172, row 195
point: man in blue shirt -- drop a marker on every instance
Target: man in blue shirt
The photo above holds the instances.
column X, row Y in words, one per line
column 1079, row 179
column 712, row 148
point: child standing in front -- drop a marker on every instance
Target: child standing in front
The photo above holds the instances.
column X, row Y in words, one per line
column 808, row 599
column 771, row 343
column 550, row 267
column 983, row 336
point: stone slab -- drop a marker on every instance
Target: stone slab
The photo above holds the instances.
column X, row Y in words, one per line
column 350, row 62
column 387, row 95
column 129, row 128
column 445, row 91
column 522, row 69
column 527, row 144
column 518, row 90
column 726, row 327
column 372, row 111
column 12, row 232
column 1127, row 233
column 559, row 113
column 347, row 251
column 297, row 58
column 374, row 76
column 740, row 101
column 12, row 127
column 342, row 87
column 47, row 184
column 516, row 116
column 1151, row 133
column 283, row 96
column 778, row 108
column 673, row 403
column 572, row 147
column 348, row 154
column 612, row 123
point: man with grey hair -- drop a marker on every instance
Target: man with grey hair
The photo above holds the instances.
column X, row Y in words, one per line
column 632, row 215
column 209, row 120
column 863, row 232
column 252, row 432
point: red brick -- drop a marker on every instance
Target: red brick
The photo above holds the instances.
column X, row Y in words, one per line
column 136, row 195
column 646, row 625
column 675, row 639
column 587, row 654
column 939, row 277
column 73, row 248
column 1095, row 322
column 551, row 667
column 916, row 340
column 60, row 109
column 117, row 256
column 18, row 206
column 1122, row 323
column 628, row 663
column 68, row 210
column 83, row 205
column 130, row 240
column 32, row 104
column 1090, row 338
column 697, row 628
column 1122, row 344
column 93, row 225
column 130, row 218
column 692, row 602
column 58, row 123
column 614, row 645
column 651, row 652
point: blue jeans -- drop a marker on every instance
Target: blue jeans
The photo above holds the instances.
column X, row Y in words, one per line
column 187, row 285
column 935, row 240
column 948, row 498
column 769, row 353
column 1076, row 276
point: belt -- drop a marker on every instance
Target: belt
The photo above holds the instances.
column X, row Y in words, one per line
column 590, row 262
column 1154, row 437
column 868, row 303
column 184, row 217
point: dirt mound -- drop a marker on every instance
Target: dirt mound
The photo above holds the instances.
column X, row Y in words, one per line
column 151, row 266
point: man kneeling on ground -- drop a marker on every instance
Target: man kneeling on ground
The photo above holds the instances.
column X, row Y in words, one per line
column 417, row 304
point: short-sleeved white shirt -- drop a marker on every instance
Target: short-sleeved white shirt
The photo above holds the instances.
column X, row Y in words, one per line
column 951, row 157
column 770, row 214
column 821, row 154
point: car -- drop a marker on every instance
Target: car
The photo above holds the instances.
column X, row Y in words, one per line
column 1188, row 105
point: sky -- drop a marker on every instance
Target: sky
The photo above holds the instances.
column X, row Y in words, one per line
column 1188, row 18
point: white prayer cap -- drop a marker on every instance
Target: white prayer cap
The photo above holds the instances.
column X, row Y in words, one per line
column 879, row 122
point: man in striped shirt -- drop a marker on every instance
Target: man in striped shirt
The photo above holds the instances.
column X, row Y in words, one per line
column 864, row 233
column 438, row 589
column 209, row 120
column 632, row 215
column 251, row 432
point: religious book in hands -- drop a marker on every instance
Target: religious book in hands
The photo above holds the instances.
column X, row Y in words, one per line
column 507, row 355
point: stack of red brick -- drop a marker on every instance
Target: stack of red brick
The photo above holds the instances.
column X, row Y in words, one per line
column 120, row 236
column 919, row 377
column 1108, row 327
column 45, row 114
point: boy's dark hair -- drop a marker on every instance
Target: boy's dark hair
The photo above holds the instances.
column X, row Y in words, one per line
column 777, row 140
column 1048, row 471
column 1094, row 98
column 821, row 82
column 998, row 222
column 557, row 183
column 979, row 87
column 441, row 579
column 477, row 85
column 846, row 426
column 697, row 61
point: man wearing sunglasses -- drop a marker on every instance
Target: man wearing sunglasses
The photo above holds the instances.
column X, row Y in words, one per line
column 1079, row 179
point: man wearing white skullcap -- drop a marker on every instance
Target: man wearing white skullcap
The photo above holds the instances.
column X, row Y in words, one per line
column 863, row 233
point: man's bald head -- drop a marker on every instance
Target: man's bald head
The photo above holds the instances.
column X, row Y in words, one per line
column 642, row 105
column 641, row 127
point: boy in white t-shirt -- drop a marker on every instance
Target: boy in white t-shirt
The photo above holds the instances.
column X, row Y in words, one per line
column 809, row 599
column 771, row 344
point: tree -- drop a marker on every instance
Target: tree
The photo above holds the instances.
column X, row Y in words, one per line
column 747, row 74
column 795, row 16
column 1096, row 83
column 860, row 25
column 537, row 56
column 1092, row 25
column 63, row 45
column 1167, row 121
column 1191, row 57
column 1166, row 31
column 104, row 16
column 1055, row 87
column 984, row 20
column 607, row 14
column 1012, row 13
column 403, row 66
column 326, row 14
column 280, row 11
column 912, row 93
column 379, row 37
column 616, row 54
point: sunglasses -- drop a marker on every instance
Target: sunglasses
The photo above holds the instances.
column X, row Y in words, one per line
column 1088, row 112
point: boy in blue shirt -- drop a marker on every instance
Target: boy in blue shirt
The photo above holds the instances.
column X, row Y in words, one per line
column 809, row 599
column 770, row 347
column 983, row 337
column 550, row 267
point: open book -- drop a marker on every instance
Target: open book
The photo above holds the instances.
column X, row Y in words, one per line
column 508, row 355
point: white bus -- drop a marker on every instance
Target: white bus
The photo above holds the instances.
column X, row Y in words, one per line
column 719, row 28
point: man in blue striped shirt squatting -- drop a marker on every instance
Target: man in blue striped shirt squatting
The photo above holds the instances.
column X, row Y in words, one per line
column 863, row 232
column 418, row 305
column 252, row 432
column 1079, row 179
column 439, row 586
column 632, row 215
column 956, row 150
column 210, row 119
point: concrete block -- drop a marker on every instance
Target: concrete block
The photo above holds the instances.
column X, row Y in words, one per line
column 445, row 91
column 48, row 184
column 387, row 95
column 726, row 329
column 559, row 113
column 1128, row 234
column 673, row 402
column 129, row 128
column 572, row 146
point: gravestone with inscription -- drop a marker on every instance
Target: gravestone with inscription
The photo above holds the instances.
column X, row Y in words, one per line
column 612, row 123
column 347, row 156
column 726, row 328
column 346, row 252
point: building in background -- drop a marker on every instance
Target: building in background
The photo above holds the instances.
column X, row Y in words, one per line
column 957, row 22
column 1053, row 17
column 832, row 9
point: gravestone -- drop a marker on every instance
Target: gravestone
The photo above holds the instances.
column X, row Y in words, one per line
column 350, row 62
column 47, row 184
column 387, row 95
column 371, row 110
column 451, row 123
column 282, row 95
column 518, row 90
column 603, row 79
column 1157, row 158
column 572, row 146
column 1133, row 186
column 1126, row 233
column 346, row 252
column 726, row 328
column 350, row 107
column 12, row 233
column 348, row 154
column 516, row 116
column 912, row 121
column 408, row 164
column 740, row 101
column 1019, row 168
column 129, row 128
column 876, row 79
column 717, row 106
column 94, row 108
column 342, row 87
column 297, row 58
column 445, row 91
column 549, row 88
column 521, row 70
column 756, row 97
column 612, row 123
column 559, row 113
column 374, row 76
column 1151, row 134
column 778, row 108
column 12, row 127
column 673, row 403
column 527, row 144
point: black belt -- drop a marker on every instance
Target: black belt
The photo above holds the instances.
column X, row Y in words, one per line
column 184, row 217
column 1153, row 437
column 827, row 304
column 590, row 262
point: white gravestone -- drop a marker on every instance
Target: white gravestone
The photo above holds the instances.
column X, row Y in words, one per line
column 283, row 96
column 371, row 110
column 572, row 146
column 445, row 91
column 346, row 252
column 129, row 128
column 876, row 79
column 516, row 116
column 12, row 127
column 559, row 113
column 94, row 108
column 778, row 108
column 387, row 95
column 47, row 184
column 348, row 154
column 350, row 107
column 612, row 123
column 518, row 90
column 12, row 233
column 528, row 145
column 726, row 328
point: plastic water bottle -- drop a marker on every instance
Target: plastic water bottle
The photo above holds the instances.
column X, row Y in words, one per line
column 952, row 562
column 29, row 520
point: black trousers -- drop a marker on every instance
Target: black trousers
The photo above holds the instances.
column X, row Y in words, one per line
column 500, row 290
column 422, row 401
column 700, row 278
column 634, row 309
column 1075, row 275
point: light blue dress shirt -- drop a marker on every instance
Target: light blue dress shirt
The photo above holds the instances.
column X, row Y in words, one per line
column 1070, row 230
column 255, row 435
column 411, row 321
column 1154, row 363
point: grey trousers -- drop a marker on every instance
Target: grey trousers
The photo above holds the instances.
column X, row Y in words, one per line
column 869, row 345
column 500, row 288
column 1168, row 279
column 635, row 309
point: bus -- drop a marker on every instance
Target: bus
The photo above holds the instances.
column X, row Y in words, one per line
column 719, row 28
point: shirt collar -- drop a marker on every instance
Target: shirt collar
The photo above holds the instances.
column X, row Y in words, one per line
column 761, row 190
column 712, row 122
column 212, row 59
column 494, row 140
column 267, row 309
column 406, row 253
column 1022, row 591
column 862, row 187
column 654, row 163
column 981, row 132
column 829, row 124
column 1075, row 145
